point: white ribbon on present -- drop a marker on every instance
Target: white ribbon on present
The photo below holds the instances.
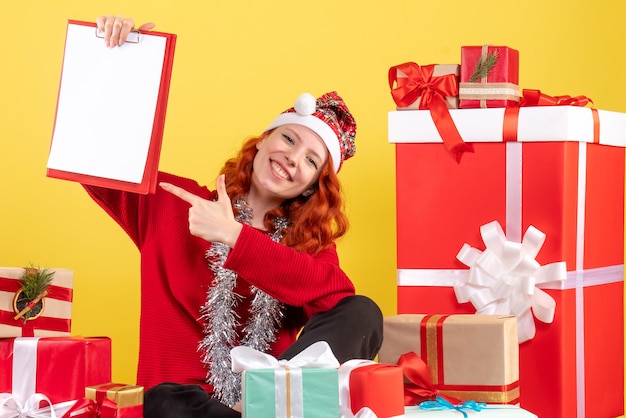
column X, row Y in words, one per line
column 11, row 407
column 24, row 402
column 318, row 355
column 503, row 279
column 345, row 408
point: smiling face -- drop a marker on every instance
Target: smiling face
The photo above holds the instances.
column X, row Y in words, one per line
column 287, row 163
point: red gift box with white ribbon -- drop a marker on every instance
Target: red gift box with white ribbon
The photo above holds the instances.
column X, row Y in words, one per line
column 57, row 368
column 558, row 170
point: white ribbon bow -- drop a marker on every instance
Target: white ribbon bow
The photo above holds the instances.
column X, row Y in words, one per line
column 287, row 373
column 318, row 355
column 11, row 407
column 502, row 279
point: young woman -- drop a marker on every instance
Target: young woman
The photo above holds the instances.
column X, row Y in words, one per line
column 252, row 263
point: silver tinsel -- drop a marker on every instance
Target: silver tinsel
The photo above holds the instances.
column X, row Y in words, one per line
column 221, row 320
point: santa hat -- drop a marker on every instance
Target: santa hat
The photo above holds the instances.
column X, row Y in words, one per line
column 329, row 117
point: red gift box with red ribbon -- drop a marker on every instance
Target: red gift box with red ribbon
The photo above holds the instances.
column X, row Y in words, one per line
column 489, row 76
column 559, row 169
column 54, row 311
column 368, row 386
column 58, row 367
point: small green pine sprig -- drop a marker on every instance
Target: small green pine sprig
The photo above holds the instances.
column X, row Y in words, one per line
column 34, row 281
column 484, row 66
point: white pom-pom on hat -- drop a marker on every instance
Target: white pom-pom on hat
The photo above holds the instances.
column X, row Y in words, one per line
column 305, row 104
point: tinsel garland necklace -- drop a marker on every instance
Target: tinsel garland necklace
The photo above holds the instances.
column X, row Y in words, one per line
column 222, row 320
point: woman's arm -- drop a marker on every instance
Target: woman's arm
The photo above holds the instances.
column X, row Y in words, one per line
column 316, row 283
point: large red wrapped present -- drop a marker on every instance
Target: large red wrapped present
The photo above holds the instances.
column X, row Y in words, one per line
column 52, row 313
column 57, row 368
column 366, row 387
column 489, row 76
column 468, row 357
column 555, row 169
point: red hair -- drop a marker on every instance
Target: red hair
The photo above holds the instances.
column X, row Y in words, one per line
column 315, row 221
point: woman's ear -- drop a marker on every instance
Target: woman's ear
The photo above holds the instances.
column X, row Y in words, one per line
column 260, row 143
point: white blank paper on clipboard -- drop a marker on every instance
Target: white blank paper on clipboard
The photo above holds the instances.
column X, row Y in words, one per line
column 106, row 107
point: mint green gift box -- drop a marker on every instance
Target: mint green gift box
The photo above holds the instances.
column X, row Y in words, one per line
column 296, row 393
column 307, row 386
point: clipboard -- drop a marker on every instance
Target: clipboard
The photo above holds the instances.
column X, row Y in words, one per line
column 110, row 113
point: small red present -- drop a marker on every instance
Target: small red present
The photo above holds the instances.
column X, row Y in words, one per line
column 366, row 385
column 489, row 76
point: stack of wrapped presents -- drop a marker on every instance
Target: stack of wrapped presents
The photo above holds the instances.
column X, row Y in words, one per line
column 510, row 203
column 45, row 370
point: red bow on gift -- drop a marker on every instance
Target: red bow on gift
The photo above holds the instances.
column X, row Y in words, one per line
column 432, row 91
column 420, row 387
column 537, row 98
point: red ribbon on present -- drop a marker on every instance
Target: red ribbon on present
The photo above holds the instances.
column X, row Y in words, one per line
column 43, row 322
column 83, row 408
column 420, row 387
column 29, row 327
column 109, row 409
column 54, row 292
column 432, row 91
column 106, row 408
column 537, row 98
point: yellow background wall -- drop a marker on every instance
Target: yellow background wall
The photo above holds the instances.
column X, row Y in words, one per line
column 237, row 65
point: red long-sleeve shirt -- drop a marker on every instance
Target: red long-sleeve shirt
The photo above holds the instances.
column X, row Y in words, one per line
column 175, row 277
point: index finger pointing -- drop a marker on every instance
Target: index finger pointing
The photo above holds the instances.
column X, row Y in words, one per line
column 180, row 192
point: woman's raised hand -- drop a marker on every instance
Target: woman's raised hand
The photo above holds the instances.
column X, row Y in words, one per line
column 210, row 220
column 117, row 28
